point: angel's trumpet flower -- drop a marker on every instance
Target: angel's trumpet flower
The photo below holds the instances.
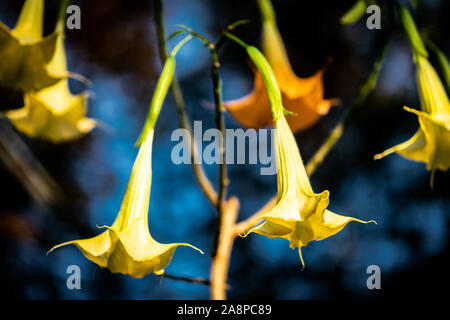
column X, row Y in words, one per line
column 300, row 215
column 431, row 143
column 302, row 96
column 53, row 113
column 24, row 54
column 127, row 246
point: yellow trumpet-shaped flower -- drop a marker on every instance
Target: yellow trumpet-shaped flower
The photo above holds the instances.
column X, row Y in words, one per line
column 302, row 96
column 53, row 113
column 127, row 246
column 300, row 215
column 431, row 143
column 24, row 53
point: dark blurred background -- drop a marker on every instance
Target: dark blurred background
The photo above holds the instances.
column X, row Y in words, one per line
column 116, row 49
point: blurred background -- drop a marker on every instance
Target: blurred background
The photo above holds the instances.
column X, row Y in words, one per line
column 116, row 49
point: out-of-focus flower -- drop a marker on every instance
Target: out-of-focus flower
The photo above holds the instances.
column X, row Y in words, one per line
column 16, row 227
column 24, row 53
column 431, row 143
column 53, row 113
column 300, row 215
column 127, row 246
column 301, row 96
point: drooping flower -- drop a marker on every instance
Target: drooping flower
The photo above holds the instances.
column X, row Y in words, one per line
column 127, row 246
column 24, row 53
column 53, row 113
column 302, row 96
column 300, row 215
column 431, row 143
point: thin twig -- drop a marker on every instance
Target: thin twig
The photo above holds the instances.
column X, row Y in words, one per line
column 202, row 281
column 220, row 124
column 202, row 179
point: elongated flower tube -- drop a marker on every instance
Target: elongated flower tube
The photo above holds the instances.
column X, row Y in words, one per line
column 300, row 215
column 127, row 246
column 24, row 54
column 53, row 113
column 431, row 143
column 302, row 96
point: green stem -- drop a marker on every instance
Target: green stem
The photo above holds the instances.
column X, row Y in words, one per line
column 160, row 30
column 411, row 31
column 354, row 13
column 270, row 82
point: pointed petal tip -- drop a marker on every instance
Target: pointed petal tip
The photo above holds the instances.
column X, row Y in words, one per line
column 378, row 156
column 432, row 179
column 301, row 258
column 384, row 154
column 84, row 80
column 104, row 127
column 335, row 102
column 191, row 246
column 159, row 272
column 59, row 246
column 245, row 233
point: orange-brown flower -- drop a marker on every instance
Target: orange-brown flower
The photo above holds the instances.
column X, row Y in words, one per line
column 301, row 96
